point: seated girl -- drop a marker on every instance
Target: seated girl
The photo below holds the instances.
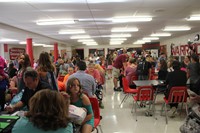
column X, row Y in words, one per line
column 79, row 99
column 48, row 114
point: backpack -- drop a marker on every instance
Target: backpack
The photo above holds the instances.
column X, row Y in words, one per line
column 142, row 68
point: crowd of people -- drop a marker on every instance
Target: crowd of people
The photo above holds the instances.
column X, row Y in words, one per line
column 41, row 85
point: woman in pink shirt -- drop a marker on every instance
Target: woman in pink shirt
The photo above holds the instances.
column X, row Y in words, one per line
column 130, row 71
column 93, row 72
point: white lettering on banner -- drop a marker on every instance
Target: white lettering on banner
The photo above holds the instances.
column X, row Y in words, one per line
column 14, row 52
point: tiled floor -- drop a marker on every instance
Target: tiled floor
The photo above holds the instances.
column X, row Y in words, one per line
column 120, row 119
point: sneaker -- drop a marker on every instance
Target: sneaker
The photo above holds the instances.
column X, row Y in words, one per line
column 119, row 88
column 101, row 105
column 115, row 89
column 148, row 113
column 172, row 112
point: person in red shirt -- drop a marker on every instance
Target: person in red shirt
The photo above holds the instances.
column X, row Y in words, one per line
column 120, row 63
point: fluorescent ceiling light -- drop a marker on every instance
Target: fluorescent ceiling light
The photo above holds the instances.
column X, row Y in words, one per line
column 141, row 41
column 55, row 21
column 24, row 42
column 8, row 40
column 90, row 44
column 115, row 44
column 78, row 31
column 193, row 18
column 161, row 34
column 39, row 44
column 85, row 40
column 183, row 28
column 124, row 30
column 117, row 35
column 80, row 37
column 48, row 46
column 150, row 38
column 126, row 19
column 118, row 39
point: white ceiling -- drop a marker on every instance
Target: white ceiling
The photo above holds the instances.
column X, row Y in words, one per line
column 18, row 19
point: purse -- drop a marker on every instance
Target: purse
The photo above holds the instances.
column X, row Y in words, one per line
column 192, row 122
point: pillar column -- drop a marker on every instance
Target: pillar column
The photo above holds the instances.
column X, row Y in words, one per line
column 6, row 55
column 29, row 49
column 55, row 51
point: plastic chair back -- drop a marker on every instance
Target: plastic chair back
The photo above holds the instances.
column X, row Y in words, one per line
column 178, row 94
column 95, row 107
column 145, row 93
column 125, row 84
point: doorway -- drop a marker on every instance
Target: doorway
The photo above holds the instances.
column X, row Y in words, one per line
column 80, row 53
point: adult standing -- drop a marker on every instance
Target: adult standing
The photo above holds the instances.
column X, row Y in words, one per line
column 24, row 62
column 120, row 63
column 193, row 72
column 46, row 70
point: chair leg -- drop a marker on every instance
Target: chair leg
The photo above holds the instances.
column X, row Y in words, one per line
column 97, row 130
column 132, row 106
column 100, row 129
column 135, row 110
column 123, row 99
column 181, row 108
column 126, row 97
column 154, row 109
column 162, row 109
column 166, row 117
column 186, row 108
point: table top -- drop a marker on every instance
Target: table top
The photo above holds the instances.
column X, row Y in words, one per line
column 148, row 82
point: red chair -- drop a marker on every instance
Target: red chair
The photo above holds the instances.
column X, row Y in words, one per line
column 144, row 94
column 128, row 92
column 177, row 94
column 61, row 78
column 96, row 111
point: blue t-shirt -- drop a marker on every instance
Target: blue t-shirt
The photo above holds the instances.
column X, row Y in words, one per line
column 23, row 125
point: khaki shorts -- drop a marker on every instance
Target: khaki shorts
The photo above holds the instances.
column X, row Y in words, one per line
column 115, row 72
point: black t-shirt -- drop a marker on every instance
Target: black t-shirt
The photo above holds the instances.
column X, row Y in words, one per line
column 28, row 93
column 12, row 73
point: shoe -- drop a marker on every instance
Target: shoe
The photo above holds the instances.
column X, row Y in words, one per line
column 172, row 112
column 115, row 89
column 120, row 88
column 148, row 113
column 101, row 105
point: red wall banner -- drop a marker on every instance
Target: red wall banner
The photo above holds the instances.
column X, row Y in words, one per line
column 14, row 52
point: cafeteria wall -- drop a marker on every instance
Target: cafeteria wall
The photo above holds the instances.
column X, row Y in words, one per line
column 182, row 40
column 36, row 50
column 86, row 48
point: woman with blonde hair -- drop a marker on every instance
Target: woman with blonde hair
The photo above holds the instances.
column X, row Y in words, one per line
column 48, row 114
